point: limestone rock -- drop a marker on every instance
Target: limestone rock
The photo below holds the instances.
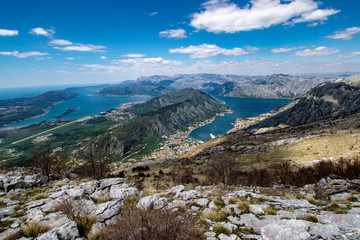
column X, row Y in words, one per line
column 286, row 229
column 108, row 182
column 118, row 192
column 108, row 210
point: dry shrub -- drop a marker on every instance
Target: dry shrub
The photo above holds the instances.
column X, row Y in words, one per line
column 182, row 175
column 77, row 211
column 159, row 224
column 223, row 169
column 288, row 174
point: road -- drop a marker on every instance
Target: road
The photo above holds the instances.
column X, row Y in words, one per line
column 49, row 130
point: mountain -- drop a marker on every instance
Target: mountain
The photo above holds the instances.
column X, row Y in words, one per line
column 137, row 88
column 330, row 99
column 271, row 86
column 160, row 116
column 13, row 110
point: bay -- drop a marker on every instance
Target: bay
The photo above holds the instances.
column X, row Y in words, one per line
column 241, row 108
column 86, row 104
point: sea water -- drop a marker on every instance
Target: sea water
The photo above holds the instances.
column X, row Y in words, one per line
column 86, row 104
column 241, row 108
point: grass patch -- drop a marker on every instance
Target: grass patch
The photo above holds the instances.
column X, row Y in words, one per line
column 244, row 207
column 219, row 202
column 336, row 209
column 233, row 200
column 219, row 229
column 102, row 199
column 246, row 231
column 311, row 218
column 30, row 230
column 18, row 214
column 5, row 225
column 218, row 215
column 40, row 196
column 2, row 204
column 270, row 210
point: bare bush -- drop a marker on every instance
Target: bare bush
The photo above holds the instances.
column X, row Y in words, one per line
column 223, row 169
column 147, row 224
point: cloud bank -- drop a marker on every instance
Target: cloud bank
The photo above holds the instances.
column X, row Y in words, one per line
column 225, row 16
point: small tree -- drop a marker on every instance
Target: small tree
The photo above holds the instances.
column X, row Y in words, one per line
column 49, row 162
column 222, row 169
column 97, row 163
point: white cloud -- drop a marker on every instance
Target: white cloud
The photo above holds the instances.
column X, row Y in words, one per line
column 313, row 16
column 134, row 55
column 139, row 60
column 153, row 13
column 82, row 48
column 60, row 42
column 103, row 57
column 284, row 49
column 345, row 35
column 351, row 55
column 69, row 58
column 254, row 67
column 173, row 33
column 208, row 50
column 42, row 32
column 24, row 54
column 319, row 51
column 6, row 32
column 225, row 16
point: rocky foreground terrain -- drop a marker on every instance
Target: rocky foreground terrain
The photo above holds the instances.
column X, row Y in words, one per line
column 327, row 210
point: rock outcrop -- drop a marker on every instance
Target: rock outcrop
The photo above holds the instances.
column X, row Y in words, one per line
column 236, row 213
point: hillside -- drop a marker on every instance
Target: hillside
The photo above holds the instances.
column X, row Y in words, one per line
column 271, row 86
column 13, row 110
column 159, row 116
column 138, row 88
column 330, row 99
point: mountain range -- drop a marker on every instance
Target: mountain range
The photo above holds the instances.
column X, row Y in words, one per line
column 270, row 86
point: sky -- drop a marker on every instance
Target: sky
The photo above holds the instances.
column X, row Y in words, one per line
column 63, row 42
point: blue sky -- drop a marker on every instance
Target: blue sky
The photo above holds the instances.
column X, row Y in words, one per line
column 57, row 42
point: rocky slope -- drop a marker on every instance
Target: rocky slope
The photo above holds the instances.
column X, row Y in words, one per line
column 160, row 116
column 327, row 100
column 279, row 212
column 272, row 86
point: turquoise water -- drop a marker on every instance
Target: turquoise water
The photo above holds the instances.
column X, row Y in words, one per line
column 242, row 108
column 85, row 104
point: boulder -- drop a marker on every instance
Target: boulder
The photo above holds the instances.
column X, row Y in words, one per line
column 286, row 229
column 61, row 225
column 120, row 193
column 108, row 182
column 148, row 201
column 90, row 187
column 108, row 210
column 4, row 212
column 76, row 193
column 324, row 231
column 176, row 190
column 201, row 202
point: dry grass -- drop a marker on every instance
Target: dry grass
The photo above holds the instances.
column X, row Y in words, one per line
column 33, row 229
column 40, row 196
column 311, row 218
column 217, row 215
column 233, row 200
column 77, row 211
column 219, row 229
column 270, row 210
column 102, row 199
column 243, row 206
